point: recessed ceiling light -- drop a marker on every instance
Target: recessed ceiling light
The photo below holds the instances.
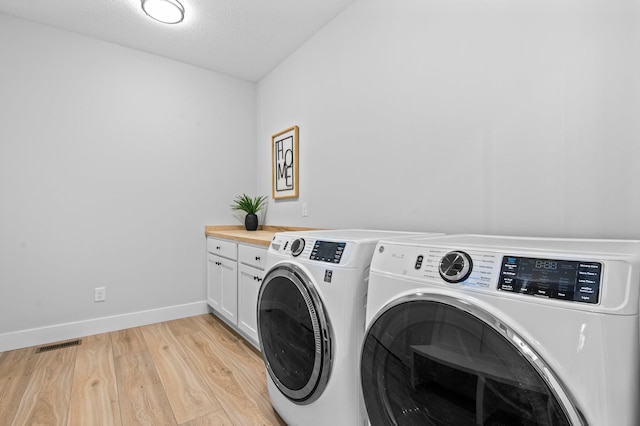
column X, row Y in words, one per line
column 166, row 11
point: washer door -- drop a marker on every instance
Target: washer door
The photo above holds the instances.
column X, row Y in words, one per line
column 295, row 334
column 437, row 360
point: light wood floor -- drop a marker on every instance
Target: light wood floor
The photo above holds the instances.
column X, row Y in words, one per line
column 193, row 372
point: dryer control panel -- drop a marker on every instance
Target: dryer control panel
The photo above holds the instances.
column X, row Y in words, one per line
column 577, row 281
column 327, row 251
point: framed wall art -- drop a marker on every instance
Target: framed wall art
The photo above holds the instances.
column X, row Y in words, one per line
column 284, row 164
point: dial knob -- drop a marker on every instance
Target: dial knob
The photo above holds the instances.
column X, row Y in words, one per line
column 455, row 266
column 297, row 246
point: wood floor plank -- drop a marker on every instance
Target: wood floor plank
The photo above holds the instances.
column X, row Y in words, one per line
column 217, row 418
column 243, row 357
column 189, row 396
column 237, row 352
column 143, row 400
column 16, row 368
column 240, row 400
column 11, row 360
column 94, row 396
column 136, row 370
column 127, row 341
column 223, row 331
column 46, row 398
column 184, row 325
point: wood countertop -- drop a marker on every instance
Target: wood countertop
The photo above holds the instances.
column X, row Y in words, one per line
column 262, row 236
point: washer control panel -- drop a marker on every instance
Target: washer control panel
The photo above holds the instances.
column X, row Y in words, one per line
column 572, row 280
column 591, row 275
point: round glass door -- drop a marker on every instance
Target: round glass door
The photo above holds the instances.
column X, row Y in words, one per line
column 435, row 360
column 294, row 334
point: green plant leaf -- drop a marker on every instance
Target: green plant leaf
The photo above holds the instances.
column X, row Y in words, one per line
column 250, row 205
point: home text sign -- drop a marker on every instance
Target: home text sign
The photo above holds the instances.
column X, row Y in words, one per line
column 284, row 163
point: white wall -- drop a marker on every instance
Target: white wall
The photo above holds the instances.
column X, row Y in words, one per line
column 112, row 161
column 512, row 117
column 485, row 116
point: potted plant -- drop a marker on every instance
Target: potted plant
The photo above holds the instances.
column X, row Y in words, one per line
column 251, row 206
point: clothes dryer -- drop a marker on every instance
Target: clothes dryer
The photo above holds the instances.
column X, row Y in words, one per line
column 311, row 313
column 487, row 330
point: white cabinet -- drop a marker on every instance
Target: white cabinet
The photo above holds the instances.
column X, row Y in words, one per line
column 222, row 278
column 234, row 274
column 250, row 274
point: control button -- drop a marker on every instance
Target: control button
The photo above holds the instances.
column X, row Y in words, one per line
column 419, row 260
column 507, row 287
column 562, row 295
column 541, row 292
column 587, row 293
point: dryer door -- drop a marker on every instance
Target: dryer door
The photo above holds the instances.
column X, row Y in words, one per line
column 295, row 334
column 437, row 360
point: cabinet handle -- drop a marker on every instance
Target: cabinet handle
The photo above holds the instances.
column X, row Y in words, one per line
column 257, row 257
column 217, row 247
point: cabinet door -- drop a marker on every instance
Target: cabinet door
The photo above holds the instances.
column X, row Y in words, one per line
column 248, row 287
column 214, row 282
column 222, row 288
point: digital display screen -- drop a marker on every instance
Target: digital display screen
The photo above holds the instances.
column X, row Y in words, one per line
column 571, row 280
column 327, row 251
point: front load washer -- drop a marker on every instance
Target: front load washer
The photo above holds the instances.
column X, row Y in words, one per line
column 488, row 330
column 311, row 323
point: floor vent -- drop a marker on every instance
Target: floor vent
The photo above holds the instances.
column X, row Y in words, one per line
column 58, row 346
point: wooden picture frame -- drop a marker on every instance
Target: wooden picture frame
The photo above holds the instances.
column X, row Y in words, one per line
column 284, row 164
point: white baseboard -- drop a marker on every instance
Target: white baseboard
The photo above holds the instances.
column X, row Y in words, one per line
column 74, row 330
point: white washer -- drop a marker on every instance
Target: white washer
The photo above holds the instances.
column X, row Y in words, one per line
column 487, row 330
column 311, row 323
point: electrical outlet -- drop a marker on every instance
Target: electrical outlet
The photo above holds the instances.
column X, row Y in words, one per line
column 100, row 294
column 305, row 211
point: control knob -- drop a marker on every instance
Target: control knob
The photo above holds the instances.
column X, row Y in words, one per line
column 297, row 246
column 455, row 266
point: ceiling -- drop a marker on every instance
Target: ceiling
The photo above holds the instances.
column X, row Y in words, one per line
column 242, row 38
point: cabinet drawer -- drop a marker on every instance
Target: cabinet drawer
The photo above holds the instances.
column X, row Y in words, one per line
column 252, row 256
column 222, row 248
